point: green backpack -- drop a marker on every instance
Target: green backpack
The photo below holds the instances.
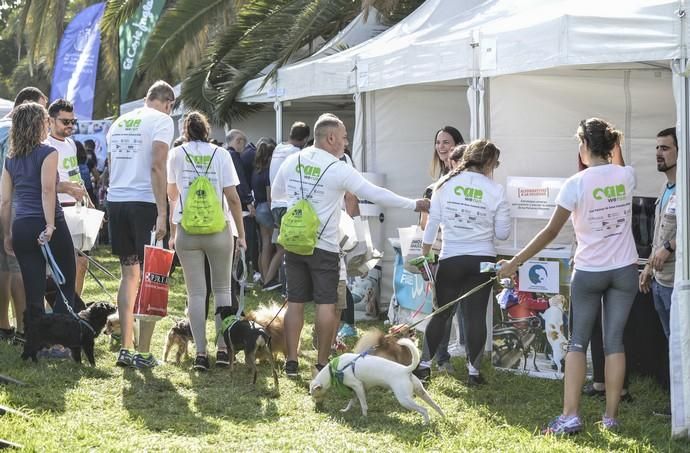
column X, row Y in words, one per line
column 299, row 225
column 202, row 211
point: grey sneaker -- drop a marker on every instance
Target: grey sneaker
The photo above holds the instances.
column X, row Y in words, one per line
column 609, row 423
column 144, row 360
column 125, row 358
column 564, row 425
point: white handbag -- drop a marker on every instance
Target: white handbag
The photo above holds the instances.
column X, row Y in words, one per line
column 84, row 225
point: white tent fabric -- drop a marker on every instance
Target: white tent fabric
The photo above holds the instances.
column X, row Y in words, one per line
column 435, row 43
column 5, row 107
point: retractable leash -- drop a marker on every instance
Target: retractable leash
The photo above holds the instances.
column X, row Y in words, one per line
column 59, row 279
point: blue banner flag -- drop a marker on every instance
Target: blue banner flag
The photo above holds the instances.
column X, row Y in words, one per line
column 76, row 64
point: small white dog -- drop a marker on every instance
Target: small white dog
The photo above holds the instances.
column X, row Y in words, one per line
column 555, row 334
column 360, row 372
column 112, row 328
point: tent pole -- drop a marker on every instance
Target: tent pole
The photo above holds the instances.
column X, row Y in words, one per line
column 278, row 107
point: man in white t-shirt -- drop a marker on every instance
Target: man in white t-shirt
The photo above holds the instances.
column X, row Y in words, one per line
column 299, row 133
column 70, row 188
column 318, row 173
column 138, row 144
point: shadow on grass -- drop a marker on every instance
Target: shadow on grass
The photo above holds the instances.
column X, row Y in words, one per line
column 159, row 405
column 47, row 381
column 230, row 394
column 529, row 403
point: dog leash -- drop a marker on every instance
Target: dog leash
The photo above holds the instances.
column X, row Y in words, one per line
column 277, row 313
column 449, row 304
column 59, row 279
column 227, row 323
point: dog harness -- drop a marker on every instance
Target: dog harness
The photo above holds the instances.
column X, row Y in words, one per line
column 59, row 279
column 338, row 375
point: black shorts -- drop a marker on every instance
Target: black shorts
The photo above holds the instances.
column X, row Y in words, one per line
column 313, row 277
column 131, row 223
column 278, row 214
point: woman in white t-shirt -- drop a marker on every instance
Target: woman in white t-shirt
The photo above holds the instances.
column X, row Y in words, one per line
column 605, row 266
column 216, row 164
column 472, row 211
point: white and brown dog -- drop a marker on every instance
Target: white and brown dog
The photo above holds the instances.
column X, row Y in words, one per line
column 359, row 372
column 555, row 331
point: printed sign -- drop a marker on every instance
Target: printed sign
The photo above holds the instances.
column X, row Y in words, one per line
column 95, row 131
column 532, row 198
column 540, row 277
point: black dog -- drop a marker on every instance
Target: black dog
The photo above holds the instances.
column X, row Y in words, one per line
column 247, row 336
column 44, row 330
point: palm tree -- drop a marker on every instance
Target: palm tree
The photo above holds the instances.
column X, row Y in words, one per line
column 216, row 47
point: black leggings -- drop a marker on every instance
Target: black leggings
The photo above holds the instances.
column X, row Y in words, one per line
column 454, row 277
column 25, row 234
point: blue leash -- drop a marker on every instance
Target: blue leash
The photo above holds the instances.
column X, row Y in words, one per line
column 59, row 279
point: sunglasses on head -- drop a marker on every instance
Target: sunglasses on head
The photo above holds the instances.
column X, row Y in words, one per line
column 67, row 122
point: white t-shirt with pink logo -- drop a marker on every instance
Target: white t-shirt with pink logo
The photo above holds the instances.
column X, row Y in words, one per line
column 600, row 199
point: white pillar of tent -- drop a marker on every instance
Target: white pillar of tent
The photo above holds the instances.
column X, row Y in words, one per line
column 358, row 135
column 475, row 99
column 278, row 107
column 679, row 341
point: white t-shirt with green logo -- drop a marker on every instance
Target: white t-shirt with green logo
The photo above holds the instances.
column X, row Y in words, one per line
column 68, row 167
column 221, row 173
column 471, row 210
column 329, row 192
column 130, row 146
column 600, row 199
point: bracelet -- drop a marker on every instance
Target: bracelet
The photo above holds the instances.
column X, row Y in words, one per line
column 52, row 227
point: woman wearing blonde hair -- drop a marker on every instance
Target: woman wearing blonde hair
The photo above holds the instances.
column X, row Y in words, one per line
column 186, row 162
column 471, row 210
column 29, row 184
column 605, row 265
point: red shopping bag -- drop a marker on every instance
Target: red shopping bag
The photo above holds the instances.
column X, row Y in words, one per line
column 152, row 298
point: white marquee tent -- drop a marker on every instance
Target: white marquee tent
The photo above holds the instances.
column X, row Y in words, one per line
column 534, row 68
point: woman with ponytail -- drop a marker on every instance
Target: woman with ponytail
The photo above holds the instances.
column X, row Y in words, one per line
column 471, row 210
column 605, row 273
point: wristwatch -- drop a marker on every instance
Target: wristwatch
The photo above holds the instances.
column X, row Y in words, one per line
column 667, row 246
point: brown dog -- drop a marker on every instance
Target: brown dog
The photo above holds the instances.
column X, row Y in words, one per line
column 263, row 316
column 180, row 335
column 386, row 345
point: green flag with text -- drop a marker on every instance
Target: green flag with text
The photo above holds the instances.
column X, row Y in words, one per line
column 133, row 36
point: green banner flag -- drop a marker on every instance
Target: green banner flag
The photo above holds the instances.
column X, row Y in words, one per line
column 133, row 37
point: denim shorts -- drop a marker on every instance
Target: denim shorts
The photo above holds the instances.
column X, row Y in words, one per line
column 263, row 214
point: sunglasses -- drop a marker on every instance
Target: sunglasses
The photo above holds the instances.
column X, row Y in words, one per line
column 67, row 122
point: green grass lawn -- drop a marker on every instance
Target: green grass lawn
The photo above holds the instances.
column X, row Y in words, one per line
column 171, row 408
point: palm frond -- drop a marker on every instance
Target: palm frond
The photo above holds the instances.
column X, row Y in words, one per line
column 117, row 12
column 186, row 20
column 314, row 20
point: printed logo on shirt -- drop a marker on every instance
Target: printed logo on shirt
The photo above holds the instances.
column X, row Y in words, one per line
column 70, row 162
column 470, row 193
column 308, row 170
column 612, row 193
column 130, row 124
column 199, row 160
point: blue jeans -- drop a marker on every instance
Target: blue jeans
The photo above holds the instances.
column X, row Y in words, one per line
column 662, row 304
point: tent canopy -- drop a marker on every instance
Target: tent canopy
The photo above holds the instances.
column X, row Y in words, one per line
column 448, row 40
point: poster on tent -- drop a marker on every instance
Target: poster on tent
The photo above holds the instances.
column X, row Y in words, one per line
column 532, row 198
column 96, row 131
column 530, row 332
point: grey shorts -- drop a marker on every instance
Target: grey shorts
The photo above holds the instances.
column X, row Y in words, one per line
column 313, row 277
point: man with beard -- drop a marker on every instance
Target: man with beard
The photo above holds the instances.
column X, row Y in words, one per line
column 658, row 274
column 70, row 188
